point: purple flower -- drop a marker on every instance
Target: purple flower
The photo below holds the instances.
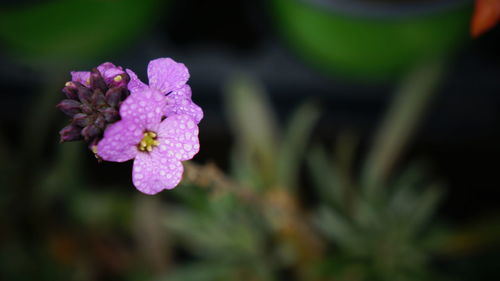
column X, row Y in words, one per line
column 112, row 75
column 122, row 119
column 169, row 78
column 157, row 146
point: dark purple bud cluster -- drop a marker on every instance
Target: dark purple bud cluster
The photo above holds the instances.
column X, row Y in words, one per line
column 93, row 107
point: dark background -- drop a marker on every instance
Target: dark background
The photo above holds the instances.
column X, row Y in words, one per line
column 460, row 136
column 459, row 139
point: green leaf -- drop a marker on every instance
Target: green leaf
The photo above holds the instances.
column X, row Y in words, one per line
column 202, row 271
column 254, row 125
column 408, row 107
column 224, row 231
column 426, row 206
column 324, row 175
column 340, row 230
column 218, row 271
column 402, row 197
column 412, row 201
column 294, row 144
column 244, row 167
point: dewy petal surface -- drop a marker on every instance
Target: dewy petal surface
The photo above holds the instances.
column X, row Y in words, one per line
column 120, row 141
column 178, row 137
column 144, row 108
column 81, row 76
column 135, row 85
column 166, row 75
column 153, row 173
column 109, row 71
column 179, row 102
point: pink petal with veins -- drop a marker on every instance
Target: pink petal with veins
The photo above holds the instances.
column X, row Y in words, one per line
column 109, row 71
column 166, row 75
column 153, row 173
column 120, row 141
column 179, row 102
column 81, row 76
column 145, row 108
column 135, row 85
column 178, row 137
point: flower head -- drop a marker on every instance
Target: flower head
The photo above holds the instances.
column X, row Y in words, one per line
column 168, row 78
column 157, row 146
column 124, row 119
column 92, row 101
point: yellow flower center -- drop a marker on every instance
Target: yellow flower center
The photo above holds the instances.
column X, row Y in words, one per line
column 118, row 78
column 148, row 142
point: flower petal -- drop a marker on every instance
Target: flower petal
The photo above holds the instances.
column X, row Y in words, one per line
column 145, row 108
column 120, row 141
column 166, row 75
column 109, row 71
column 178, row 137
column 179, row 102
column 135, row 85
column 81, row 76
column 153, row 173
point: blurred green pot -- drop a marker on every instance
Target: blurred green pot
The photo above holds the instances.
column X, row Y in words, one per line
column 372, row 40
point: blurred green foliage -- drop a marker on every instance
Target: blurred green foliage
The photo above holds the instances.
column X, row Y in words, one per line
column 287, row 209
column 60, row 30
column 258, row 228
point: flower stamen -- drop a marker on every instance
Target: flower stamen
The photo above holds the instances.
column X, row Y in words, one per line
column 148, row 142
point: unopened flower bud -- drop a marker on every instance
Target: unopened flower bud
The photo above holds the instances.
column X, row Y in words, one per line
column 111, row 115
column 90, row 132
column 70, row 90
column 98, row 99
column 70, row 133
column 87, row 109
column 114, row 95
column 94, row 99
column 120, row 80
column 69, row 107
column 100, row 122
column 97, row 81
column 80, row 119
column 84, row 94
